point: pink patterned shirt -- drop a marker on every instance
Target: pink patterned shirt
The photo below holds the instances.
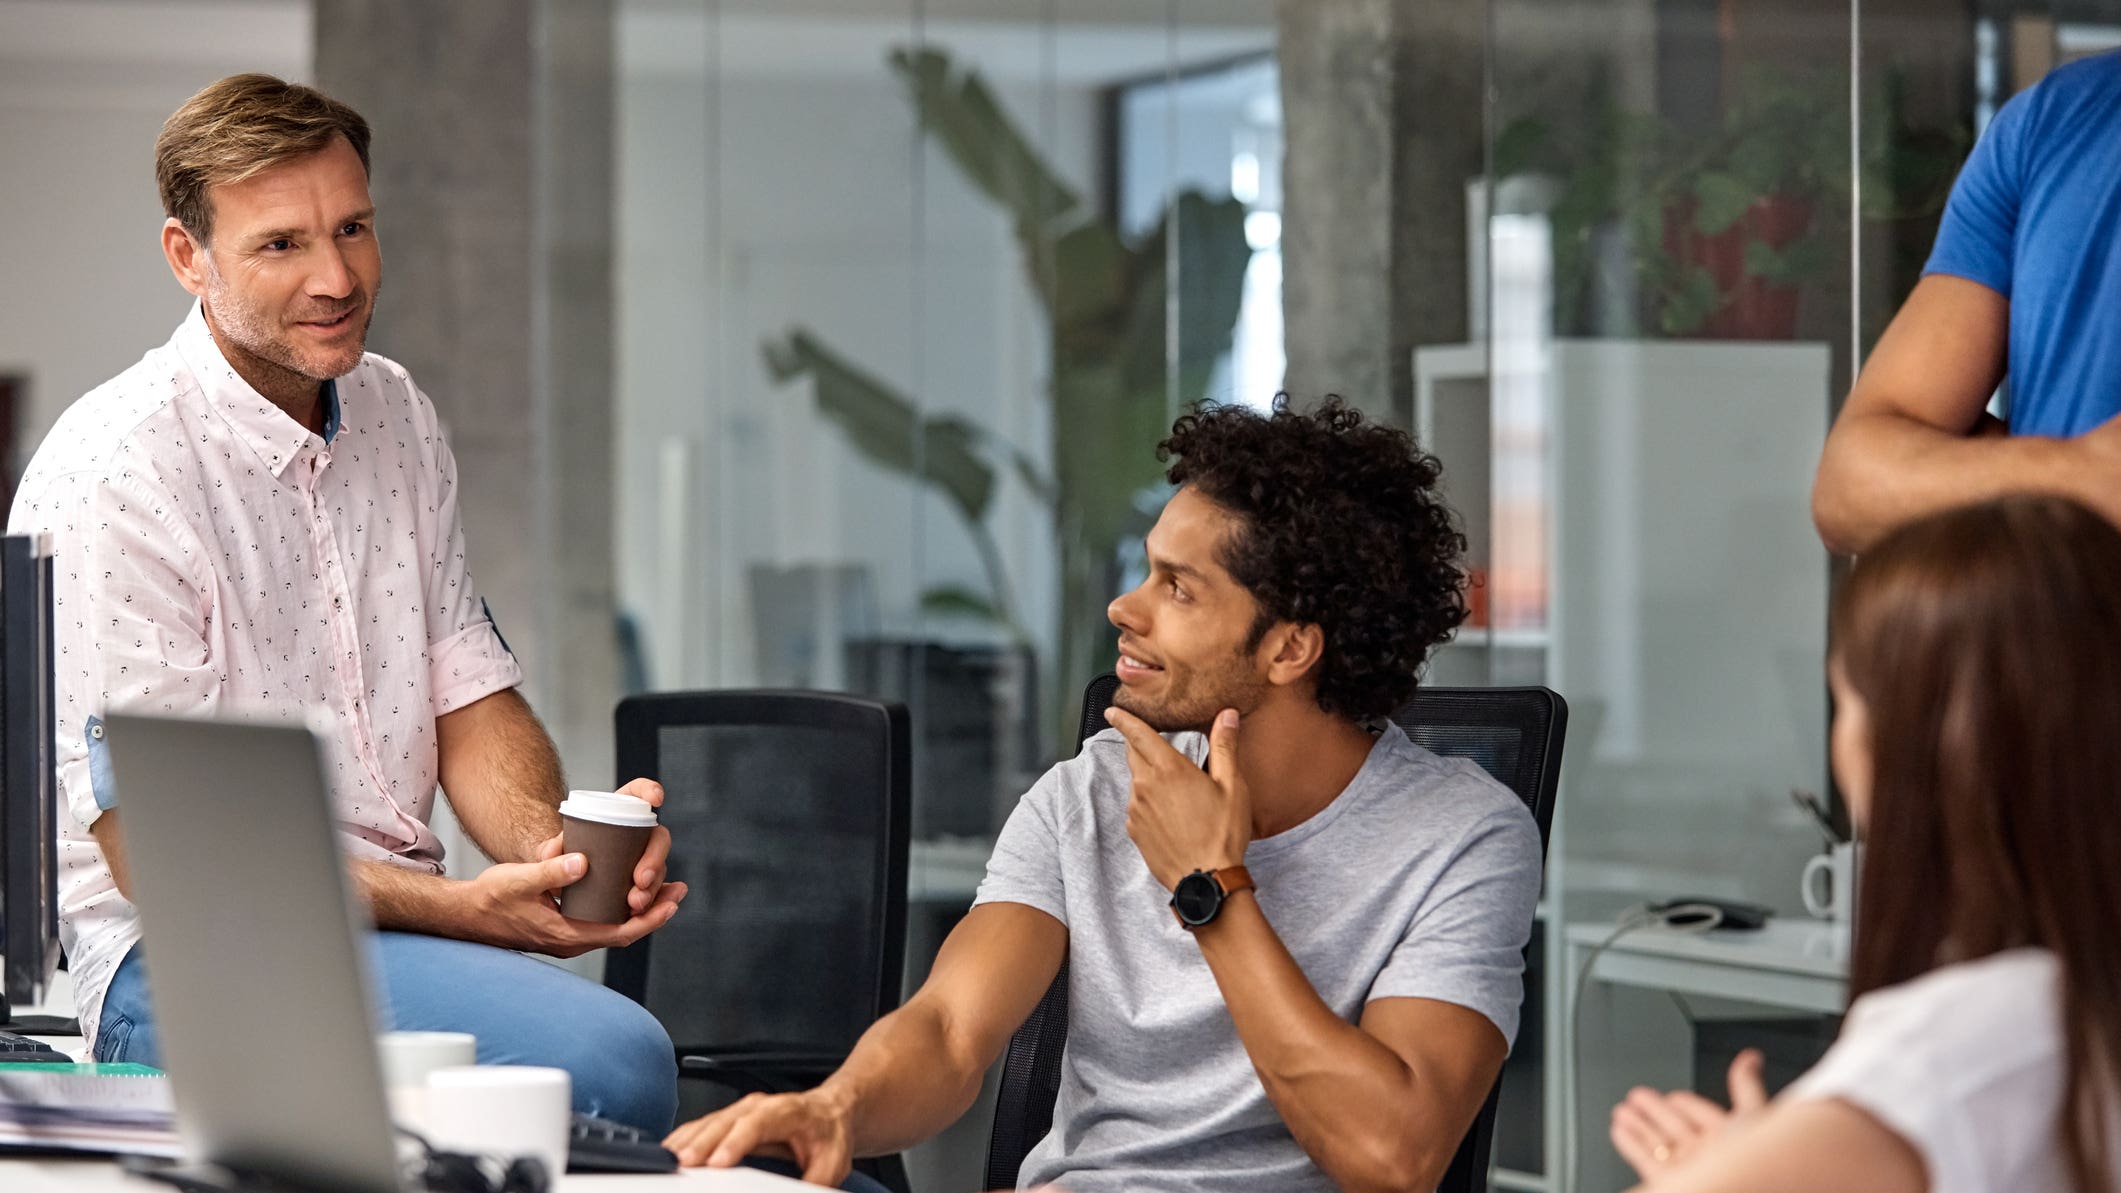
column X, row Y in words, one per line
column 213, row 555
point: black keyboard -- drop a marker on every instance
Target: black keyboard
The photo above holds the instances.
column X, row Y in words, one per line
column 600, row 1145
column 23, row 1050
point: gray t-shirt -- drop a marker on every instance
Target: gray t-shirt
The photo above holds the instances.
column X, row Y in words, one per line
column 1417, row 882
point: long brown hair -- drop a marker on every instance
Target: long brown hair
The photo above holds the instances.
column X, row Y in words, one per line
column 1986, row 642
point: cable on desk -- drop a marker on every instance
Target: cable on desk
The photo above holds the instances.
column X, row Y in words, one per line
column 430, row 1168
column 1686, row 919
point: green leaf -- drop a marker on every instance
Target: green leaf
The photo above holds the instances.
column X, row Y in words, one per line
column 1762, row 260
column 1800, row 261
column 1519, row 146
column 961, row 113
column 1212, row 256
column 1084, row 274
column 1692, row 303
column 885, row 426
column 956, row 601
column 1759, row 164
column 1034, row 477
column 1720, row 200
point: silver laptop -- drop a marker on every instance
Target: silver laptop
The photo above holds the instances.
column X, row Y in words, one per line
column 254, row 949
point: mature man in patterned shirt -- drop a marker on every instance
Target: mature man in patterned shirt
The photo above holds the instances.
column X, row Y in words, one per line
column 260, row 515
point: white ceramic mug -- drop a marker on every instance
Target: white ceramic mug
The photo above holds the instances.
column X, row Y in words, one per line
column 502, row 1110
column 408, row 1057
column 1829, row 883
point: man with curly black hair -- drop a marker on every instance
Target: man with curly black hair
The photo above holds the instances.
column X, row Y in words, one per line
column 1295, row 938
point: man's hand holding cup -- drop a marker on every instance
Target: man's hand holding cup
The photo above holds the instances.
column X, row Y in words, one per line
column 598, row 884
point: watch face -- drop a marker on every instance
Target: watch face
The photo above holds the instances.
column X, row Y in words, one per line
column 1196, row 898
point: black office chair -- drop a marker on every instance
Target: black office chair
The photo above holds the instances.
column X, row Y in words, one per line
column 788, row 816
column 1515, row 734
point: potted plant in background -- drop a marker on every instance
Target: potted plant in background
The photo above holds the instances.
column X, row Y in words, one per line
column 1108, row 401
column 1724, row 226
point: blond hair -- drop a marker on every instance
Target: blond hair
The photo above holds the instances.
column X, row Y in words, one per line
column 241, row 127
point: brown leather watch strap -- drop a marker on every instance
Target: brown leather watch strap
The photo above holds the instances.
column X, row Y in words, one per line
column 1233, row 879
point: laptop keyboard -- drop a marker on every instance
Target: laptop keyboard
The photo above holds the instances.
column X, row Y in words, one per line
column 600, row 1145
column 23, row 1050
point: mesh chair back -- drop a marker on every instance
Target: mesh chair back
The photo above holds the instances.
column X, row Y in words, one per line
column 788, row 818
column 1515, row 734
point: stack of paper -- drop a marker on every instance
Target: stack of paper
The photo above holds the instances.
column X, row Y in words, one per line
column 123, row 1109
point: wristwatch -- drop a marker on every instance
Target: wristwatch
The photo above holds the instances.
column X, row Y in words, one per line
column 1199, row 896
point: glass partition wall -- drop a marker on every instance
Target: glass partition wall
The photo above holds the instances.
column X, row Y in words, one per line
column 907, row 294
column 1699, row 215
column 907, row 291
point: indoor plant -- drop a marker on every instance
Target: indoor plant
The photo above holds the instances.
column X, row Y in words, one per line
column 1110, row 395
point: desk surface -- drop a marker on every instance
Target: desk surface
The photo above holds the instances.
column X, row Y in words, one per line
column 1814, row 948
column 102, row 1176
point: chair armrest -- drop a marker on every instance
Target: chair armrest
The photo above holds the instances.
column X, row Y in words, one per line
column 763, row 1059
column 763, row 1070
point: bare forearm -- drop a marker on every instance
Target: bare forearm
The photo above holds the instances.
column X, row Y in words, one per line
column 402, row 900
column 1825, row 1146
column 906, row 1080
column 1881, row 470
column 502, row 775
column 510, row 906
column 916, row 1070
column 1353, row 1105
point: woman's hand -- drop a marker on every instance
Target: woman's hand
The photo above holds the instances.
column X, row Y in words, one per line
column 1659, row 1132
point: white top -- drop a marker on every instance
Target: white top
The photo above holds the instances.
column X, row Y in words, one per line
column 1966, row 1064
column 214, row 555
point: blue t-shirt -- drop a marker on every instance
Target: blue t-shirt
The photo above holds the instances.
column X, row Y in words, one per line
column 2036, row 217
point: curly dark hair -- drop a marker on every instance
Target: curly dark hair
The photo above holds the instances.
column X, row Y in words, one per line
column 1342, row 527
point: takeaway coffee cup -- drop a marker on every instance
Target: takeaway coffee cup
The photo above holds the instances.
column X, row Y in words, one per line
column 611, row 831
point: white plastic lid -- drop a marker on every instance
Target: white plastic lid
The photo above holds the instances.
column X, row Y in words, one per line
column 608, row 807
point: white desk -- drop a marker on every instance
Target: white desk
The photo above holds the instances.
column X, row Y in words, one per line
column 101, row 1176
column 1799, row 964
column 104, row 1176
column 1628, row 1032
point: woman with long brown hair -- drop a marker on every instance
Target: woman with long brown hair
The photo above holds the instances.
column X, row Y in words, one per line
column 1977, row 735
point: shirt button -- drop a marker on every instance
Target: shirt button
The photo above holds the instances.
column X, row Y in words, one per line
column 96, row 731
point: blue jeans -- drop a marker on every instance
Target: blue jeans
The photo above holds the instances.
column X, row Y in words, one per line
column 523, row 1011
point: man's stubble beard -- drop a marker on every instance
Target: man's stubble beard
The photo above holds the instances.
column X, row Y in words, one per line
column 261, row 337
column 1196, row 698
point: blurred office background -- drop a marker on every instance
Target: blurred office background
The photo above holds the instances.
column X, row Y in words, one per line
column 825, row 343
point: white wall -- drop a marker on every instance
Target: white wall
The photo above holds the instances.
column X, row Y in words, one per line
column 84, row 88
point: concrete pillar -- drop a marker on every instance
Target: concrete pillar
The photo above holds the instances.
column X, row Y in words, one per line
column 1382, row 110
column 492, row 177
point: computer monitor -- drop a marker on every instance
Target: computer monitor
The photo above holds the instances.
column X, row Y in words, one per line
column 29, row 862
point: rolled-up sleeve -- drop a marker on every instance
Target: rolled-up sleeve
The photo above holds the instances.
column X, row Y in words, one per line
column 467, row 658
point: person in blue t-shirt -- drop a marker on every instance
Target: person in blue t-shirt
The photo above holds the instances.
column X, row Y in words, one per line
column 2024, row 281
